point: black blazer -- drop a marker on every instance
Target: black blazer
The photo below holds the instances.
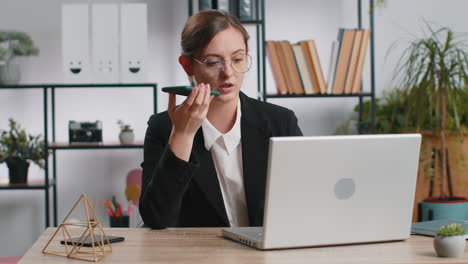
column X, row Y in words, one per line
column 176, row 193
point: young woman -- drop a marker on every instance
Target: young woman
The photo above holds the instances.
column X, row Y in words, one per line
column 205, row 161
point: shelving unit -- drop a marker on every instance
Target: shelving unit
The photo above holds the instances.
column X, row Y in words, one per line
column 261, row 60
column 52, row 146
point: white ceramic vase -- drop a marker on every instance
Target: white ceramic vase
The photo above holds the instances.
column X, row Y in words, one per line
column 10, row 74
column 126, row 137
column 449, row 246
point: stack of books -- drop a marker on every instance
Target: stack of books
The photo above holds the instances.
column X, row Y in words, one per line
column 297, row 69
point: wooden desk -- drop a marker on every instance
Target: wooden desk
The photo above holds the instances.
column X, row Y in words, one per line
column 205, row 245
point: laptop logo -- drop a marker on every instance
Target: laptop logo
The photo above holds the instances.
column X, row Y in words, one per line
column 344, row 188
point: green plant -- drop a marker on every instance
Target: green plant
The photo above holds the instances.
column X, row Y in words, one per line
column 16, row 43
column 15, row 143
column 451, row 230
column 124, row 127
column 434, row 72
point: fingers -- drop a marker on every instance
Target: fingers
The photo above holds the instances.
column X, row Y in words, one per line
column 171, row 105
column 192, row 96
column 201, row 95
column 207, row 100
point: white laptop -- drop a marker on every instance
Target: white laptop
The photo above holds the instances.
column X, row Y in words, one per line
column 335, row 190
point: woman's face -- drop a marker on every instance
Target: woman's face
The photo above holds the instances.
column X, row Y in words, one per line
column 225, row 50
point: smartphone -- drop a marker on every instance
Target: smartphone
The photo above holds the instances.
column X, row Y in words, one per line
column 184, row 90
column 88, row 243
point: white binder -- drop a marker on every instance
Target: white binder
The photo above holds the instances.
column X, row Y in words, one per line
column 105, row 43
column 75, row 43
column 133, row 43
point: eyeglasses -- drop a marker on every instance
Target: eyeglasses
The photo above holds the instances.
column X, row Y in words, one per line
column 240, row 63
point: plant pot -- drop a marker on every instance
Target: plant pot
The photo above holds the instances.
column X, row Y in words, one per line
column 18, row 170
column 449, row 246
column 126, row 137
column 455, row 209
column 10, row 74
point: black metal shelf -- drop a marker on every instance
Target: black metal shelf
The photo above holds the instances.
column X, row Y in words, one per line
column 33, row 184
column 52, row 147
column 105, row 145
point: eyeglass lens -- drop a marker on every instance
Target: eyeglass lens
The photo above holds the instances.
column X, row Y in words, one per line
column 240, row 63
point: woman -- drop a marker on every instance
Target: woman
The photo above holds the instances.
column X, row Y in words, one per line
column 205, row 160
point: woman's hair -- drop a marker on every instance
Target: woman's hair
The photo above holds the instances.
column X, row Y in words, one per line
column 203, row 26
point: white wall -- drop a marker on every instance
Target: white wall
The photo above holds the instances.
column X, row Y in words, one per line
column 100, row 173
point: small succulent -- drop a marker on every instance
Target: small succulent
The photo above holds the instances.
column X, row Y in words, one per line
column 124, row 127
column 451, row 230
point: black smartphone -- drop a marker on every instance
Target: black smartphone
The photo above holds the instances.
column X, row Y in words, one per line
column 184, row 90
column 88, row 243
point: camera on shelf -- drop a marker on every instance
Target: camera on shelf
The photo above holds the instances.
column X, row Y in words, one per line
column 82, row 132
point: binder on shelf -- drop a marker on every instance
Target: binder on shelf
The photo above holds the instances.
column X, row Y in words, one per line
column 204, row 4
column 343, row 61
column 274, row 59
column 356, row 87
column 246, row 9
column 133, row 43
column 304, row 72
column 351, row 74
column 224, row 5
column 75, row 43
column 105, row 35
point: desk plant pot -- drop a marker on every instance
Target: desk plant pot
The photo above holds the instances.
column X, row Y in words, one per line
column 18, row 170
column 450, row 241
column 455, row 208
column 10, row 74
column 126, row 137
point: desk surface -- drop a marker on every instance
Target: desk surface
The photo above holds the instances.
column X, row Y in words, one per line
column 205, row 245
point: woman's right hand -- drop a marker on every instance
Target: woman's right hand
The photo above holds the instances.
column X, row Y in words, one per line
column 187, row 119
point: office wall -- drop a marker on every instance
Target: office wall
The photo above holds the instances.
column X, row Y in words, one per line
column 100, row 173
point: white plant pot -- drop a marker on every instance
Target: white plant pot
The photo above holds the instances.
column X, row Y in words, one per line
column 126, row 137
column 449, row 246
column 10, row 74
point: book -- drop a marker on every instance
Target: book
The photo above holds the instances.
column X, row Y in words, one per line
column 292, row 68
column 353, row 61
column 429, row 228
column 273, row 58
column 284, row 67
column 343, row 61
column 304, row 72
column 317, row 67
column 332, row 65
column 356, row 87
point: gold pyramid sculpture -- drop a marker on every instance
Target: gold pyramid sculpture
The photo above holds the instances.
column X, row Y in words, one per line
column 100, row 245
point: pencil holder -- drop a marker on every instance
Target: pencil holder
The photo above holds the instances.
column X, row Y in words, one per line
column 121, row 221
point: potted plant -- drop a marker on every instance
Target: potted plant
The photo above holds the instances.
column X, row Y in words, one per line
column 126, row 135
column 434, row 72
column 17, row 149
column 450, row 241
column 14, row 43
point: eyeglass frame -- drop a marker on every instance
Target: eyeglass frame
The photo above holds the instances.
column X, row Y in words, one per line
column 224, row 63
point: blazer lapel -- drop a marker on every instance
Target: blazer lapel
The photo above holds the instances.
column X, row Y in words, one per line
column 255, row 142
column 207, row 178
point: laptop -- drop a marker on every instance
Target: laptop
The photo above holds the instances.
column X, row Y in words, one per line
column 335, row 190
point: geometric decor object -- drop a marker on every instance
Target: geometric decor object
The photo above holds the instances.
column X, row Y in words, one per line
column 88, row 230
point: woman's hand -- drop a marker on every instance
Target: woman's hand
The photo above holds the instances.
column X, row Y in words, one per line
column 187, row 119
